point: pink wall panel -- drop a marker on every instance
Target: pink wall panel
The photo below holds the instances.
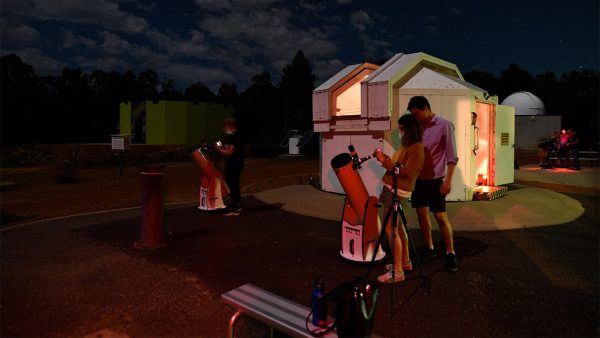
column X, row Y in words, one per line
column 321, row 106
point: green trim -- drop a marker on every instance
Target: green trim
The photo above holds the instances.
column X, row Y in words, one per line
column 423, row 60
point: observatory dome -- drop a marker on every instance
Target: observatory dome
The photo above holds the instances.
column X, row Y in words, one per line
column 525, row 103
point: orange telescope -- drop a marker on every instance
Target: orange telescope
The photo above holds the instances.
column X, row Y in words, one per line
column 360, row 220
column 212, row 187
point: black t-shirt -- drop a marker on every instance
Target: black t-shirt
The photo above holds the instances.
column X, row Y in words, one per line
column 237, row 159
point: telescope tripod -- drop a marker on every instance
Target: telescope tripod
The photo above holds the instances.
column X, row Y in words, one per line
column 393, row 210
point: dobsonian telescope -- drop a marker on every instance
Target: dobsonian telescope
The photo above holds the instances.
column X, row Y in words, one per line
column 360, row 219
column 212, row 187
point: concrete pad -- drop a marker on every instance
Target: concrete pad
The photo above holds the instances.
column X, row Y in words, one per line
column 524, row 207
column 588, row 177
column 305, row 200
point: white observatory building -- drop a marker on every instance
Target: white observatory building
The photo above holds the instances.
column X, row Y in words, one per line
column 362, row 102
column 525, row 103
column 531, row 122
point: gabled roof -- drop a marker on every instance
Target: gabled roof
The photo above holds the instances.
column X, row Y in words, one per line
column 427, row 78
column 397, row 63
column 401, row 64
column 337, row 77
column 463, row 82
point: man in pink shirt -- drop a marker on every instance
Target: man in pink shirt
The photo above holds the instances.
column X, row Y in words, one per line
column 435, row 181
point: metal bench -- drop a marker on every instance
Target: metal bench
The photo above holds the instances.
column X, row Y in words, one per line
column 279, row 313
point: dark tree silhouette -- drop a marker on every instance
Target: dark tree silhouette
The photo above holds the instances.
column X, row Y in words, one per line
column 484, row 80
column 228, row 94
column 297, row 84
column 514, row 79
column 546, row 88
column 259, row 113
column 168, row 90
column 80, row 107
column 579, row 100
column 149, row 83
column 19, row 106
column 198, row 92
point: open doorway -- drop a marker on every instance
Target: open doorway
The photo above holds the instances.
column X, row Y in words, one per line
column 485, row 147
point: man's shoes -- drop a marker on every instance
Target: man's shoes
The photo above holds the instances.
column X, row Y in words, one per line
column 451, row 262
column 426, row 255
column 233, row 211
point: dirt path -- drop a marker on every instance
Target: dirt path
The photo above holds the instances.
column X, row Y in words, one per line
column 37, row 195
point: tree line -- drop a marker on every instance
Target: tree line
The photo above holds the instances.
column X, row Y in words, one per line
column 84, row 107
column 80, row 107
column 574, row 95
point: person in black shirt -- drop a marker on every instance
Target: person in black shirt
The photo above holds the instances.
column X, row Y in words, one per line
column 233, row 151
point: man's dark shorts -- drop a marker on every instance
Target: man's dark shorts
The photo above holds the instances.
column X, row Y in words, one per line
column 427, row 194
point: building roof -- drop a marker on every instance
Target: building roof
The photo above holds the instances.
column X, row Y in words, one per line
column 525, row 103
column 401, row 64
column 337, row 77
column 427, row 78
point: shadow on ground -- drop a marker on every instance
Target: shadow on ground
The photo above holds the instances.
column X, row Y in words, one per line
column 533, row 282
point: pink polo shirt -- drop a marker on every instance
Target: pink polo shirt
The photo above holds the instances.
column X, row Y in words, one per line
column 440, row 147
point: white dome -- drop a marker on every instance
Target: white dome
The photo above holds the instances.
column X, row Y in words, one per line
column 525, row 103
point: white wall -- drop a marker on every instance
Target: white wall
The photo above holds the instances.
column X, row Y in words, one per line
column 453, row 105
column 371, row 171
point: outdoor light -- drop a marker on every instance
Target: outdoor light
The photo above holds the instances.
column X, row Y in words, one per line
column 473, row 118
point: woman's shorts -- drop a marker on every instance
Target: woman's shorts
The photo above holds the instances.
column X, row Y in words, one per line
column 385, row 198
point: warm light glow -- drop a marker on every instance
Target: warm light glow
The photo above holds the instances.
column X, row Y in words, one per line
column 485, row 190
column 483, row 165
column 348, row 103
column 553, row 170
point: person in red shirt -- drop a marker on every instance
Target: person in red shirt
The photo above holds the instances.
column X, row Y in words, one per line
column 563, row 148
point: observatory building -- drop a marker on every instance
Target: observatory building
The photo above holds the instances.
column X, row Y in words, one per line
column 361, row 104
column 531, row 122
column 525, row 103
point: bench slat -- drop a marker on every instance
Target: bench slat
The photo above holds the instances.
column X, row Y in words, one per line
column 278, row 312
column 266, row 309
column 273, row 298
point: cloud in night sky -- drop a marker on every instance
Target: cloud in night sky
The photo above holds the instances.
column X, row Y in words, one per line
column 214, row 41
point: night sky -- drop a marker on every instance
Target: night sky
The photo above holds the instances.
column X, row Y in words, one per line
column 215, row 41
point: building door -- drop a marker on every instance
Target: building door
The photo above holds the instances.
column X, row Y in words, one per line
column 485, row 140
column 504, row 148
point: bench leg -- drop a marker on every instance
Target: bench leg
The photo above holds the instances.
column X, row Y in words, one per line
column 232, row 323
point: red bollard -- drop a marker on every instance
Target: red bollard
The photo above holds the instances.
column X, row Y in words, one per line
column 152, row 208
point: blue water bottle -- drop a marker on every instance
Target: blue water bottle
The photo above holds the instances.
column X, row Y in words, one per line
column 318, row 304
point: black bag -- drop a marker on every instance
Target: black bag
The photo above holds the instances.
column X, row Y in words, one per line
column 354, row 303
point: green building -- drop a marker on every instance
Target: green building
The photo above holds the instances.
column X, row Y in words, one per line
column 172, row 122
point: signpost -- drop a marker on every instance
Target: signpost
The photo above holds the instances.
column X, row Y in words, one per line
column 120, row 143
